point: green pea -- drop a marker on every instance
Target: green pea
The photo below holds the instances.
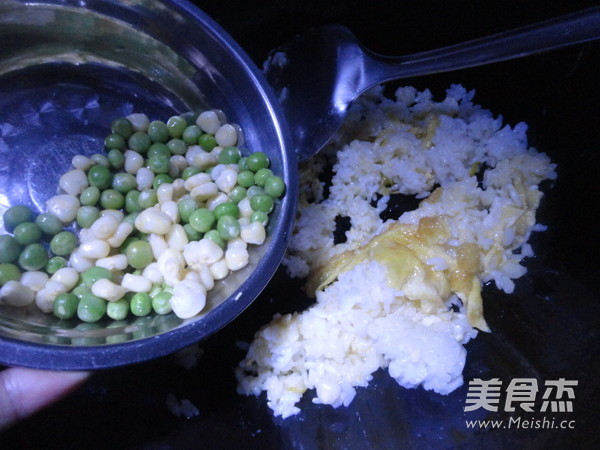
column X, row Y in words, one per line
column 159, row 149
column 238, row 194
column 140, row 304
column 158, row 164
column 161, row 303
column 274, row 186
column 177, row 147
column 117, row 310
column 123, row 182
column 259, row 216
column 63, row 243
column 147, row 198
column 89, row 196
column 27, row 233
column 139, row 254
column 91, row 308
column 191, row 135
column 132, row 202
column 189, row 172
column 158, row 131
column 202, row 220
column 81, row 290
column 114, row 141
column 100, row 177
column 186, row 207
column 122, row 126
column 229, row 155
column 228, row 227
column 176, row 125
column 245, row 178
column 65, row 305
column 33, row 257
column 55, row 263
column 139, row 142
column 8, row 272
column 87, row 215
column 262, row 202
column 16, row 215
column 191, row 233
column 10, row 249
column 255, row 190
column 112, row 199
column 160, row 179
column 190, row 116
column 100, row 160
column 207, row 141
column 227, row 209
column 215, row 236
column 243, row 163
column 116, row 159
column 49, row 224
column 261, row 175
column 93, row 274
column 257, row 161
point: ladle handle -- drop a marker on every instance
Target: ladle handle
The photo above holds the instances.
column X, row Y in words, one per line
column 566, row 30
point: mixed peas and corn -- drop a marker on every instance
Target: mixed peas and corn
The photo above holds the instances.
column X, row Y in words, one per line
column 147, row 226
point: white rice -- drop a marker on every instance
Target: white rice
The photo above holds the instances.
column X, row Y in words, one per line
column 360, row 323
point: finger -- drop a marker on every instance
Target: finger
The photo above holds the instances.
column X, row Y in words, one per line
column 25, row 391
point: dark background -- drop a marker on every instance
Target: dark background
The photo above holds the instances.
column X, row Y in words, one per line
column 547, row 330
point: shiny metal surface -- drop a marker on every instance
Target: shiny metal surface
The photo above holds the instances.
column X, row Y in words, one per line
column 318, row 75
column 67, row 68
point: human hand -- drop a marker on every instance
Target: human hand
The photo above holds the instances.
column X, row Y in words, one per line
column 26, row 391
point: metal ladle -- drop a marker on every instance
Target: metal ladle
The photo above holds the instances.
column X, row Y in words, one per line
column 320, row 73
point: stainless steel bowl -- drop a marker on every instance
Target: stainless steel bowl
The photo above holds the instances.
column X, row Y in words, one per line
column 67, row 68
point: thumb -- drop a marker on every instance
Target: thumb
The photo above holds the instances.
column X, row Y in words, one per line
column 26, row 391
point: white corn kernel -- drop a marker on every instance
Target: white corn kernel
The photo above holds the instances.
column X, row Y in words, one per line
column 123, row 231
column 73, row 182
column 208, row 121
column 153, row 220
column 14, row 293
column 219, row 270
column 104, row 227
column 204, row 192
column 164, row 193
column 63, row 206
column 178, row 188
column 240, row 134
column 226, row 135
column 172, row 266
column 170, row 209
column 189, row 298
column 86, row 235
column 238, row 242
column 177, row 238
column 157, row 244
column 206, row 277
column 114, row 213
column 94, row 249
column 108, row 290
column 203, row 160
column 114, row 262
column 136, row 283
column 152, row 273
column 177, row 163
column 245, row 208
column 79, row 262
column 244, row 221
column 44, row 299
column 34, row 279
column 133, row 162
column 227, row 180
column 67, row 276
column 196, row 180
column 221, row 197
column 204, row 251
column 236, row 258
column 139, row 121
column 253, row 233
column 144, row 178
column 81, row 162
column 216, row 151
